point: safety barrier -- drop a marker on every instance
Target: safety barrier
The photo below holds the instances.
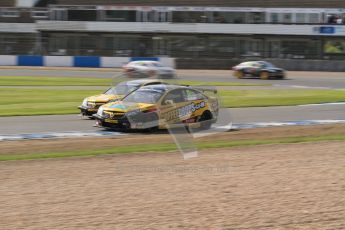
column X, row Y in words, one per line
column 77, row 61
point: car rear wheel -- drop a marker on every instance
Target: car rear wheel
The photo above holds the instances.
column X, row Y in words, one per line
column 282, row 77
column 205, row 120
column 264, row 75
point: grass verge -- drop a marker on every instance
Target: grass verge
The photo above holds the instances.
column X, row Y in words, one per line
column 31, row 101
column 93, row 81
column 281, row 97
column 14, row 102
column 53, row 81
column 170, row 147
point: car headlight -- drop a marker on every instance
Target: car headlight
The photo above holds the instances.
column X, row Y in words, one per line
column 84, row 102
column 100, row 111
column 91, row 104
column 133, row 113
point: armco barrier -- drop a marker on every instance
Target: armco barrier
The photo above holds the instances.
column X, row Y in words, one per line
column 8, row 60
column 113, row 62
column 77, row 61
column 180, row 63
column 144, row 59
column 58, row 61
column 87, row 61
column 30, row 61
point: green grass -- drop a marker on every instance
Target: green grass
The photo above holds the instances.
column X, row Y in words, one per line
column 29, row 101
column 169, row 147
column 53, row 81
column 15, row 101
column 281, row 97
column 26, row 101
column 88, row 81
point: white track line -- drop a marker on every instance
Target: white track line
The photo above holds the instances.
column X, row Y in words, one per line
column 35, row 136
column 329, row 103
column 305, row 87
column 217, row 129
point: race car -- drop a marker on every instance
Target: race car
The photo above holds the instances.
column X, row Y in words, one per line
column 91, row 104
column 160, row 106
column 258, row 69
column 148, row 69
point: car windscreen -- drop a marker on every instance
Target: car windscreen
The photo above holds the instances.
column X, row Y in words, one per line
column 122, row 89
column 247, row 64
column 148, row 96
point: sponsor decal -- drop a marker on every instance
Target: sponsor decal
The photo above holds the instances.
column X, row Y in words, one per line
column 326, row 30
column 184, row 111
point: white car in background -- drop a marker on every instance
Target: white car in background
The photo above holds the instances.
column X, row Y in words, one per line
column 148, row 69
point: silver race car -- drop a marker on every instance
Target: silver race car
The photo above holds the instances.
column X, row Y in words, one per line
column 148, row 69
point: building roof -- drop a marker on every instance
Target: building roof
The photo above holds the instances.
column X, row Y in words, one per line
column 223, row 3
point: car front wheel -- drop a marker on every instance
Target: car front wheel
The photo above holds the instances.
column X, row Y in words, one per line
column 264, row 75
column 239, row 74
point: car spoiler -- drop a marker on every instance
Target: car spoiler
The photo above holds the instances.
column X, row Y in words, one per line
column 207, row 90
column 202, row 89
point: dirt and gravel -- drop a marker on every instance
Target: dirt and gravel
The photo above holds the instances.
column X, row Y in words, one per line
column 295, row 186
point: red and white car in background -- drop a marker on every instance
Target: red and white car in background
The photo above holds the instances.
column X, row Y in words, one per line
column 148, row 69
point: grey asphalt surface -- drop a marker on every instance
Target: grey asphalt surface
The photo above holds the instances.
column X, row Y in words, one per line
column 67, row 123
column 334, row 80
column 74, row 123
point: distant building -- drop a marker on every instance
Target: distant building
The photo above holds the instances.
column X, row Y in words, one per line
column 7, row 3
column 214, row 3
column 226, row 29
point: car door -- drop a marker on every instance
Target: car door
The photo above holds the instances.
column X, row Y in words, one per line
column 197, row 104
column 172, row 105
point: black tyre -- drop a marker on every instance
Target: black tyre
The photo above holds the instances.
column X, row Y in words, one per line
column 239, row 74
column 264, row 75
column 205, row 120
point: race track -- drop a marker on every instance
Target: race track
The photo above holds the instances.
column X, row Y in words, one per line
column 73, row 123
column 239, row 116
column 333, row 80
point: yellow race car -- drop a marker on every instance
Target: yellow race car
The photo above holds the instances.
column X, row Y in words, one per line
column 91, row 104
column 159, row 106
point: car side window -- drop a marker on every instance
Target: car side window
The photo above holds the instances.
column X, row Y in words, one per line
column 141, row 64
column 176, row 96
column 156, row 64
column 153, row 83
column 262, row 65
column 193, row 95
